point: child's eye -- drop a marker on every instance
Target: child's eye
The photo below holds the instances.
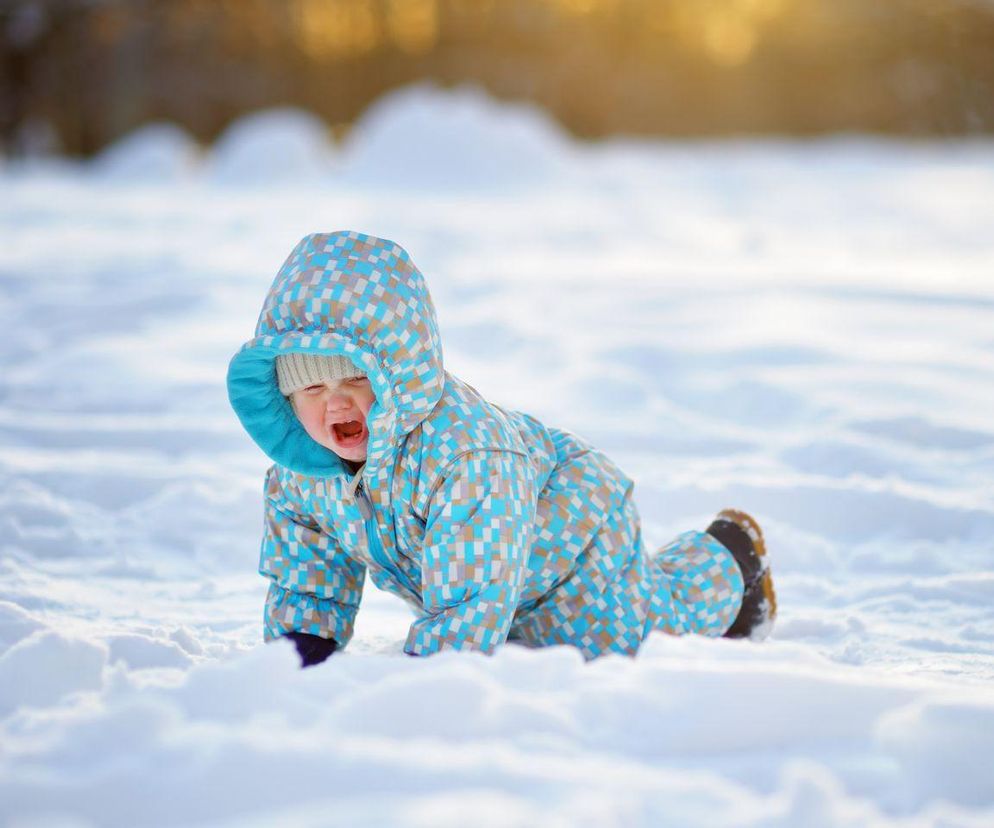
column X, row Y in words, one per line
column 359, row 380
column 313, row 389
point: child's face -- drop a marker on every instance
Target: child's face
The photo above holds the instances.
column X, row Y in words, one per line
column 334, row 414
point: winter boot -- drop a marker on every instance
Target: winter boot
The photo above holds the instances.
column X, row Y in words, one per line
column 741, row 536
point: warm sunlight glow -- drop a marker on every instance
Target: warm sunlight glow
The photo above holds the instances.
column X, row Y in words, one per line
column 337, row 28
column 729, row 40
column 727, row 31
column 413, row 24
column 578, row 6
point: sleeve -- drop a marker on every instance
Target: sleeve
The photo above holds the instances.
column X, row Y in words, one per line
column 314, row 586
column 478, row 533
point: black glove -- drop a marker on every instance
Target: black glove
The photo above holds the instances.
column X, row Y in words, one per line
column 312, row 649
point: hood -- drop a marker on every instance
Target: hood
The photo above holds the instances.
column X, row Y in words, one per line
column 354, row 295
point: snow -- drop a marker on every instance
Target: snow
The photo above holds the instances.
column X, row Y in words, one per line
column 799, row 329
column 421, row 138
column 272, row 145
column 160, row 151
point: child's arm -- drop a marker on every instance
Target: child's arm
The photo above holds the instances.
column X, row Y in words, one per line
column 315, row 587
column 477, row 536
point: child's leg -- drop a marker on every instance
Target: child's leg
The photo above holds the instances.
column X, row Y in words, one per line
column 697, row 586
column 696, row 565
column 603, row 604
column 617, row 594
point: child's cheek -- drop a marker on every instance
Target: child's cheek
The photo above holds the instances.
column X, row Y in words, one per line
column 308, row 419
column 368, row 403
column 313, row 423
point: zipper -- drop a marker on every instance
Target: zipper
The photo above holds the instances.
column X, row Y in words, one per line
column 365, row 505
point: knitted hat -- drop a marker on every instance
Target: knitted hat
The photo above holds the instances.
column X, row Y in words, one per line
column 298, row 370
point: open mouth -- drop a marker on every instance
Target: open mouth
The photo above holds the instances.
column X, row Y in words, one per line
column 350, row 434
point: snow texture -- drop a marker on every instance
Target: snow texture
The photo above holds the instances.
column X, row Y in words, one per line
column 804, row 330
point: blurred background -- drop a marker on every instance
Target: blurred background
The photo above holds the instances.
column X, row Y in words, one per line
column 78, row 74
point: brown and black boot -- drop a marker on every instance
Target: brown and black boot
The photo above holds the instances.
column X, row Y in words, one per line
column 741, row 536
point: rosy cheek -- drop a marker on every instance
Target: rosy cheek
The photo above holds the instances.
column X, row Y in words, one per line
column 310, row 418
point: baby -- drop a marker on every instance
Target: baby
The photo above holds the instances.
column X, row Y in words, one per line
column 489, row 524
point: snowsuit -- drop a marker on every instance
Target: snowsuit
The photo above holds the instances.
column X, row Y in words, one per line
column 490, row 525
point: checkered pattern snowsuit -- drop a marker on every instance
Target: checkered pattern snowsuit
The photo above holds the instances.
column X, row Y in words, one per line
column 488, row 524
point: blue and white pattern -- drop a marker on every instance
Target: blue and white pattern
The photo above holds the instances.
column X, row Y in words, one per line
column 488, row 524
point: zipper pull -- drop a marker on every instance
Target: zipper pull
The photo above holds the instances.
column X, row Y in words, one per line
column 363, row 502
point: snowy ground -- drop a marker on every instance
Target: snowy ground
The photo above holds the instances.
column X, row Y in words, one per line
column 802, row 330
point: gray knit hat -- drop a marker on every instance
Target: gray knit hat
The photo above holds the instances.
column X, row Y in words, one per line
column 298, row 370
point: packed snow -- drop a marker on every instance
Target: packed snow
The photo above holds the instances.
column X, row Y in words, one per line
column 804, row 330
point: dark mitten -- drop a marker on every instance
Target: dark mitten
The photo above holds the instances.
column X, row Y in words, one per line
column 312, row 649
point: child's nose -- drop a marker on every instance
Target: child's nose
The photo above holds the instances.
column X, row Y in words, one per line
column 337, row 401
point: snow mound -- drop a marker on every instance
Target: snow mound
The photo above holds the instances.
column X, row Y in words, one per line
column 936, row 743
column 45, row 667
column 271, row 146
column 153, row 153
column 15, row 624
column 548, row 738
column 423, row 136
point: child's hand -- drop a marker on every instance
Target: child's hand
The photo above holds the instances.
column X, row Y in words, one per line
column 312, row 649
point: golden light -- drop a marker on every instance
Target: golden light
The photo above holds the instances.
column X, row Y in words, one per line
column 764, row 9
column 473, row 12
column 581, row 7
column 727, row 31
column 577, row 6
column 337, row 28
column 729, row 40
column 413, row 24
